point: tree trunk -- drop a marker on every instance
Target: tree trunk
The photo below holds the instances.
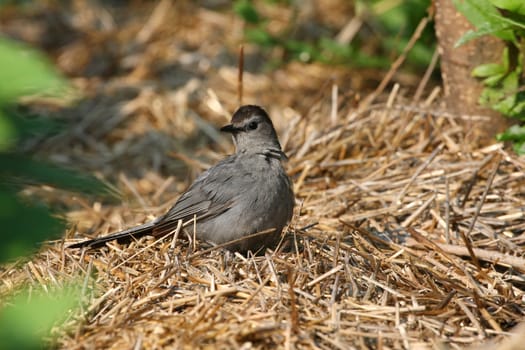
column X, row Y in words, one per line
column 462, row 91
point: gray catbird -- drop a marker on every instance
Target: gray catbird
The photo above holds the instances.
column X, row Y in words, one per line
column 245, row 193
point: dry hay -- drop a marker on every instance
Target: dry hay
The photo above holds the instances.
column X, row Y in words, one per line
column 406, row 233
column 402, row 237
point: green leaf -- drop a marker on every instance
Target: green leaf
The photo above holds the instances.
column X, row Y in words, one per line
column 516, row 6
column 494, row 80
column 485, row 17
column 27, row 320
column 518, row 111
column 499, row 30
column 505, row 97
column 26, row 71
column 505, row 105
column 494, row 72
column 506, row 59
column 509, row 21
column 24, row 225
column 260, row 36
column 490, row 96
column 8, row 133
column 476, row 11
column 519, row 147
column 511, row 83
column 487, row 70
column 302, row 50
column 19, row 168
column 15, row 127
column 514, row 133
column 246, row 11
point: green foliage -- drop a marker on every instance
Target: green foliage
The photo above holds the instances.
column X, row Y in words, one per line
column 27, row 72
column 26, row 222
column 246, row 11
column 515, row 134
column 503, row 81
column 502, row 86
column 27, row 171
column 485, row 17
column 30, row 316
column 8, row 132
column 515, row 6
column 22, row 232
column 392, row 28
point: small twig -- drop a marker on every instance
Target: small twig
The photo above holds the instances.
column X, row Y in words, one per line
column 446, row 300
column 426, row 76
column 493, row 257
column 133, row 190
column 447, row 210
column 155, row 21
column 473, row 180
column 257, row 291
column 418, row 172
column 324, row 275
column 435, row 246
column 418, row 211
column 382, row 286
column 333, row 112
column 471, row 317
column 470, row 250
column 483, row 197
column 398, row 62
column 240, row 75
column 294, row 315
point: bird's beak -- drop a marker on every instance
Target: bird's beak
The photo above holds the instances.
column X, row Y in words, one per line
column 229, row 128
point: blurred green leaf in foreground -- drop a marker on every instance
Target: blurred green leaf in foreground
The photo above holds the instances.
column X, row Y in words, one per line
column 24, row 72
column 26, row 320
column 25, row 221
column 30, row 317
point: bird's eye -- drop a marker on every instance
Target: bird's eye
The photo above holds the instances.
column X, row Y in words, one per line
column 252, row 125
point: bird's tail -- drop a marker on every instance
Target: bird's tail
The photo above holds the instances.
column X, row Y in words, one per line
column 125, row 236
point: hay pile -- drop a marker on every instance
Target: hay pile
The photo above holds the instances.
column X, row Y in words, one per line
column 406, row 234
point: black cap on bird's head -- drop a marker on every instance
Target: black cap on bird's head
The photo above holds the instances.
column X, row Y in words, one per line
column 252, row 128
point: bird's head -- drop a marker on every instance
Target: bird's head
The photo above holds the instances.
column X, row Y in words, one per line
column 252, row 130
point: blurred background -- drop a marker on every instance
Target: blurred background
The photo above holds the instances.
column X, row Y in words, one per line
column 148, row 75
column 100, row 95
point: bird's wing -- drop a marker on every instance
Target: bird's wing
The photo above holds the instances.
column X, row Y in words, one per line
column 212, row 193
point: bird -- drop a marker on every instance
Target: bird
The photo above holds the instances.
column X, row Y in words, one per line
column 245, row 193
